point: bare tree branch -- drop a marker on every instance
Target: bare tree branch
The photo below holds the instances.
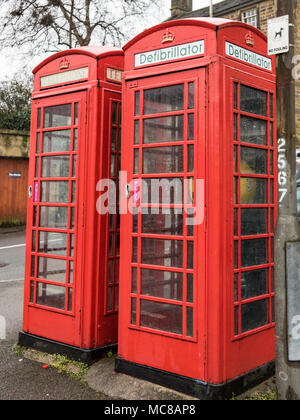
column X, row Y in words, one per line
column 47, row 25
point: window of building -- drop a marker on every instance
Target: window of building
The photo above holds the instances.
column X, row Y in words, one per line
column 250, row 17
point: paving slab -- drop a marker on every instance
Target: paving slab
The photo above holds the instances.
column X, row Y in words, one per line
column 102, row 378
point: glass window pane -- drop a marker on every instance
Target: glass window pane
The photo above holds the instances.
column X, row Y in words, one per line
column 254, row 283
column 191, row 158
column 75, row 139
column 110, row 271
column 134, row 249
column 164, row 129
column 109, row 301
column 161, row 316
column 71, row 272
column 136, row 167
column 165, row 99
column 134, row 281
column 253, row 161
column 52, row 269
column 159, row 160
column 74, row 166
column 254, row 101
column 191, row 95
column 133, row 311
column 162, row 252
column 38, row 125
column 70, row 299
column 54, row 217
column 253, row 131
column 38, row 141
column 58, row 116
column 162, row 191
column 55, row 192
column 236, row 287
column 163, row 224
column 254, row 252
column 57, row 141
column 190, row 288
column 235, row 96
column 50, row 296
column 191, row 119
column 53, row 243
column 253, row 191
column 255, row 315
column 190, row 255
column 254, row 221
column 137, row 101
column 56, row 166
column 136, row 131
column 189, row 322
column 236, row 320
column 164, row 284
column 76, row 113
column 114, row 116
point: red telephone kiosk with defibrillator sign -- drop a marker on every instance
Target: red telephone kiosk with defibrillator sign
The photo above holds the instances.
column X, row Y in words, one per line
column 72, row 255
column 197, row 242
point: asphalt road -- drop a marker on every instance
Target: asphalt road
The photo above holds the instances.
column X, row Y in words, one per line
column 23, row 379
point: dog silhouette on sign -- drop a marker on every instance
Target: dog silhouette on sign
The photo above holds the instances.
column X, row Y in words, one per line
column 279, row 33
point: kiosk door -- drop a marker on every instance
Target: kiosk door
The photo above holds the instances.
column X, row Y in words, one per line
column 163, row 252
column 55, row 216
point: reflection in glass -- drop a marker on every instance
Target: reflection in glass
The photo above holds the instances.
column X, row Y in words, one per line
column 190, row 288
column 254, row 252
column 253, row 131
column 164, row 129
column 164, row 284
column 55, row 166
column 162, row 190
column 57, row 141
column 163, row 224
column 189, row 322
column 159, row 160
column 253, row 191
column 164, row 99
column 54, row 192
column 255, row 315
column 253, row 161
column 254, row 283
column 161, row 316
column 50, row 296
column 162, row 252
column 58, row 116
column 54, row 217
column 254, row 101
column 191, row 119
column 254, row 221
column 191, row 95
column 53, row 243
column 52, row 269
column 137, row 100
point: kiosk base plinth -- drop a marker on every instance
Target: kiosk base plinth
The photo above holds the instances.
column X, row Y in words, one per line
column 194, row 387
column 87, row 356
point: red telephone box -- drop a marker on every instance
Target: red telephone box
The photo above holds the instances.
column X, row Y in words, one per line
column 72, row 256
column 196, row 290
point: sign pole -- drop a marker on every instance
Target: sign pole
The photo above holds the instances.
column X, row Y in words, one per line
column 211, row 9
column 287, row 235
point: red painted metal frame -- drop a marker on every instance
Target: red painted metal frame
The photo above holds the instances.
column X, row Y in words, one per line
column 215, row 354
column 86, row 325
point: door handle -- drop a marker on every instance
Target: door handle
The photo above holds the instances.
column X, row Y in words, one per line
column 127, row 191
column 30, row 191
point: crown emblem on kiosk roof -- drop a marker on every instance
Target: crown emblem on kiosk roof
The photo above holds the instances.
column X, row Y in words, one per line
column 64, row 64
column 250, row 39
column 168, row 36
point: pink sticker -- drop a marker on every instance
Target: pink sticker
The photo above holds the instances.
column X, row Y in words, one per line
column 36, row 192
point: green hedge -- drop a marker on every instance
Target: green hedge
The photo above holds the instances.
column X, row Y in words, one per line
column 15, row 120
